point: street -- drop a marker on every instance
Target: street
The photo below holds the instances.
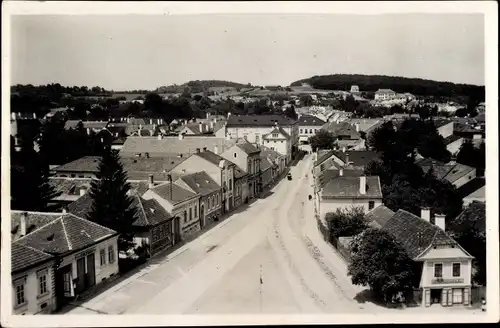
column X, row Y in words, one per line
column 269, row 259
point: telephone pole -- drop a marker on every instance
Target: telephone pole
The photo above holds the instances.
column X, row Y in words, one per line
column 260, row 288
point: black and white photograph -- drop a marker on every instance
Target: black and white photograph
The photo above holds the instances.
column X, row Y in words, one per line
column 228, row 163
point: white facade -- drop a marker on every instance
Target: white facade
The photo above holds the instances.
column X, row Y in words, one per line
column 305, row 132
column 26, row 287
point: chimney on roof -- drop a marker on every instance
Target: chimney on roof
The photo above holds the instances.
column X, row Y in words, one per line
column 64, row 210
column 208, row 116
column 204, row 148
column 181, row 136
column 228, row 136
column 140, row 126
column 201, row 127
column 228, row 114
column 425, row 214
column 88, row 131
column 216, row 149
column 13, row 116
column 362, row 185
column 82, row 191
column 197, row 150
column 341, row 172
column 22, row 223
column 34, row 115
column 151, row 181
column 439, row 220
column 347, row 159
column 212, row 125
column 343, row 149
column 357, row 127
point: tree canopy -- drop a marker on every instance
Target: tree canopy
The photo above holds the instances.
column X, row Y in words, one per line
column 111, row 204
column 380, row 262
column 322, row 140
column 346, row 222
column 472, row 156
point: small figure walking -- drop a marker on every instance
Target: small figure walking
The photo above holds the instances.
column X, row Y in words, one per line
column 483, row 305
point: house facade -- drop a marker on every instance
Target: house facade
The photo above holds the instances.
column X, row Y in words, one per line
column 446, row 266
column 217, row 167
column 385, row 94
column 247, row 158
column 254, row 127
column 279, row 141
column 308, row 126
column 85, row 254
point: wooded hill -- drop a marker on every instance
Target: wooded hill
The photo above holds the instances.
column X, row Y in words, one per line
column 200, row 86
column 371, row 83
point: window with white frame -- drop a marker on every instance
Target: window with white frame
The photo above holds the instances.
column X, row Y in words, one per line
column 19, row 285
column 456, row 269
column 438, row 270
column 275, row 135
column 103, row 256
column 42, row 282
column 111, row 254
column 300, row 131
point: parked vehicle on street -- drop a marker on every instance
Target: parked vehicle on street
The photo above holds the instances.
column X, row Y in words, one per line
column 289, row 176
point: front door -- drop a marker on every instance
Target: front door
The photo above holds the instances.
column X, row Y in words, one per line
column 80, row 275
column 202, row 215
column 177, row 229
column 90, row 270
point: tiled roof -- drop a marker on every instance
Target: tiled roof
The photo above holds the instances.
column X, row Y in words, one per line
column 332, row 173
column 149, row 212
column 23, row 257
column 384, row 91
column 83, row 164
column 414, row 233
column 449, row 172
column 309, row 120
column 366, row 124
column 323, row 155
column 379, row 216
column 348, row 187
column 86, row 124
column 441, row 122
column 212, row 157
column 247, row 147
column 69, row 187
column 178, row 194
column 357, row 157
column 200, row 182
column 267, row 152
column 342, row 129
column 173, row 146
column 34, row 221
column 448, row 140
column 64, row 234
column 258, row 120
column 139, row 168
column 278, row 130
column 471, row 187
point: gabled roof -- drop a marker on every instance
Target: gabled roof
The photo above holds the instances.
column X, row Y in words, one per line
column 64, row 233
column 347, row 187
column 323, row 155
column 173, row 146
column 357, row 157
column 449, row 172
column 149, row 212
column 23, row 257
column 450, row 139
column 173, row 193
column 212, row 157
column 379, row 216
column 309, row 120
column 342, row 129
column 248, row 148
column 83, row 164
column 200, row 182
column 327, row 175
column 415, row 234
column 258, row 120
column 279, row 131
column 441, row 122
column 384, row 91
column 71, row 124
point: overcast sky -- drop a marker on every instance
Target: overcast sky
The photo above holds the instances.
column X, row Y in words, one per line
column 144, row 52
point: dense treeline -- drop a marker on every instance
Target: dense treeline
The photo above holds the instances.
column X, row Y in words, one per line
column 415, row 86
column 200, row 86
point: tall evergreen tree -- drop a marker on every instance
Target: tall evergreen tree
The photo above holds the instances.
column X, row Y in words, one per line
column 111, row 205
column 30, row 188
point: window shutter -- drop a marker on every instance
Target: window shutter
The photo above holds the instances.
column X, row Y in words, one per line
column 427, row 297
column 444, row 295
column 450, row 297
column 466, row 296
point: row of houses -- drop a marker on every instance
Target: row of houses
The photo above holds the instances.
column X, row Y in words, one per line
column 340, row 183
column 59, row 256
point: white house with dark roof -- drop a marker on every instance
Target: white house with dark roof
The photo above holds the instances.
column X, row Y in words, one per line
column 385, row 94
column 345, row 191
column 280, row 141
column 308, row 126
column 254, row 127
column 446, row 267
column 84, row 255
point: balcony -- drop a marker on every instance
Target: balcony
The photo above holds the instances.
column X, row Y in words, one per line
column 440, row 281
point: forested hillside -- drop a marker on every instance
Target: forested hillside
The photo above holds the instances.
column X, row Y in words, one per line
column 200, row 86
column 399, row 84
